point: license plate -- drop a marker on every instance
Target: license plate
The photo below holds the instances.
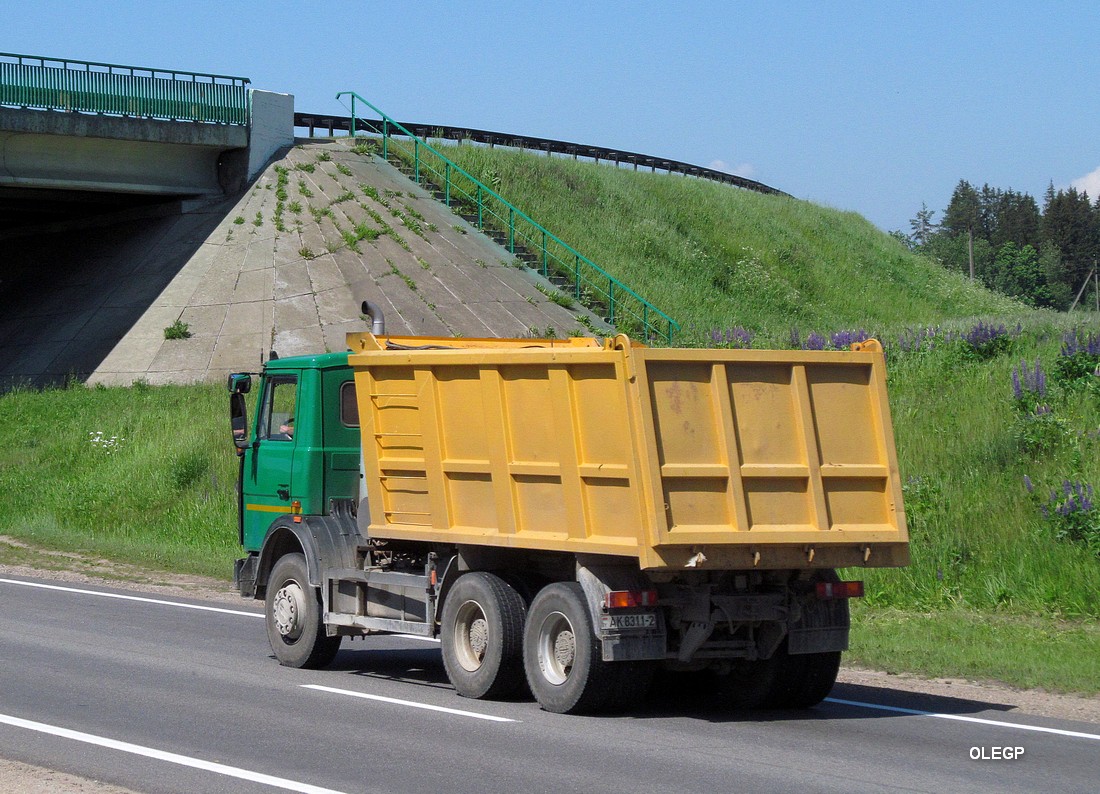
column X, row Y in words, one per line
column 644, row 620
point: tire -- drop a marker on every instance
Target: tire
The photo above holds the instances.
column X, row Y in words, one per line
column 293, row 616
column 748, row 685
column 563, row 659
column 481, row 633
column 802, row 681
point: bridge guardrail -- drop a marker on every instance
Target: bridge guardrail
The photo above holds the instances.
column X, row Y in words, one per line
column 313, row 121
column 32, row 81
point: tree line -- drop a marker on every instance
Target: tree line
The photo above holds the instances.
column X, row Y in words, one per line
column 1001, row 237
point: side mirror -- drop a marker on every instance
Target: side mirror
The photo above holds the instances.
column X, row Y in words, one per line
column 238, row 419
column 239, row 383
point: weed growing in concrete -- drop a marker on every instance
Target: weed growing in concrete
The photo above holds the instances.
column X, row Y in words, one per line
column 409, row 222
column 481, row 263
column 177, row 330
column 239, row 220
column 351, row 240
column 556, row 296
column 258, row 220
column 347, row 195
column 432, row 227
column 323, row 157
column 309, row 168
column 459, row 229
column 370, row 191
column 364, row 232
column 304, row 190
column 408, row 281
column 295, row 207
column 424, row 263
column 343, row 169
column 306, row 253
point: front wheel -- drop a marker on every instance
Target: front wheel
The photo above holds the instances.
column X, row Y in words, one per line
column 293, row 611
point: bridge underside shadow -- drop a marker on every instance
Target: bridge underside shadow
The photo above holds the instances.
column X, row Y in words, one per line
column 71, row 291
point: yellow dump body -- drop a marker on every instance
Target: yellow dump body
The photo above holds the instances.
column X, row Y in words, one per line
column 712, row 459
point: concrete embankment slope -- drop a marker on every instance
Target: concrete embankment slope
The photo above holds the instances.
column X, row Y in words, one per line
column 251, row 286
column 271, row 268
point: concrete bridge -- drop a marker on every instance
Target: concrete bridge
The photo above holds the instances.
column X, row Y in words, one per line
column 77, row 138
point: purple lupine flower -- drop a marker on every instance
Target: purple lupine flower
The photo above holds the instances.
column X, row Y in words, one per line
column 814, row 341
column 842, row 340
column 981, row 334
column 1029, row 484
column 796, row 339
column 1028, row 382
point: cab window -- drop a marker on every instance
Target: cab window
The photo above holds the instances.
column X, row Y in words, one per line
column 349, row 406
column 277, row 417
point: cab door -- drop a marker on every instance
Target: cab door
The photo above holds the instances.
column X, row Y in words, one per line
column 269, row 463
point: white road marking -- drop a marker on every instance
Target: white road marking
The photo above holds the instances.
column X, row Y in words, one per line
column 960, row 718
column 417, row 637
column 133, row 598
column 161, row 755
column 409, row 703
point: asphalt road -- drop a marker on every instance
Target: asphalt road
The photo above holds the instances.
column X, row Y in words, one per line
column 159, row 695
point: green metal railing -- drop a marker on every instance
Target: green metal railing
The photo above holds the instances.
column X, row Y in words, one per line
column 591, row 285
column 31, row 81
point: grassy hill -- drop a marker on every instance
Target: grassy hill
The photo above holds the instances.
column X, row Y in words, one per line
column 715, row 257
column 1011, row 562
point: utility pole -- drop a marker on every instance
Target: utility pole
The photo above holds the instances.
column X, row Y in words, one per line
column 1084, row 286
column 970, row 248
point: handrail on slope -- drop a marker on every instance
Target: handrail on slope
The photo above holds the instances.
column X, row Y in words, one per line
column 591, row 284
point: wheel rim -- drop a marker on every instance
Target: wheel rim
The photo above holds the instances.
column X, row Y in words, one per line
column 557, row 648
column 471, row 636
column 288, row 609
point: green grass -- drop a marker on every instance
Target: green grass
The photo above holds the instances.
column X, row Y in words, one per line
column 141, row 475
column 1059, row 656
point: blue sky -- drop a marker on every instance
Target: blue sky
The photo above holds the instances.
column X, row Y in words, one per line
column 867, row 106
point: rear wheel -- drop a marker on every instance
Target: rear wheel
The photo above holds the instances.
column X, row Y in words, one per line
column 802, row 681
column 563, row 659
column 748, row 684
column 293, row 611
column 482, row 636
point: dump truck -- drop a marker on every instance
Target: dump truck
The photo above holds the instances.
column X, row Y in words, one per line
column 571, row 515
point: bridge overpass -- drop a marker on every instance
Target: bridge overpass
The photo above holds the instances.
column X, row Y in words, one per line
column 79, row 139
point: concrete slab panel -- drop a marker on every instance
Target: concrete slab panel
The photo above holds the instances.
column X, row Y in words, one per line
column 291, row 279
column 324, row 274
column 204, row 320
column 247, row 318
column 254, row 285
column 183, row 355
column 29, row 360
column 338, row 305
column 236, row 352
column 295, row 313
column 299, row 341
